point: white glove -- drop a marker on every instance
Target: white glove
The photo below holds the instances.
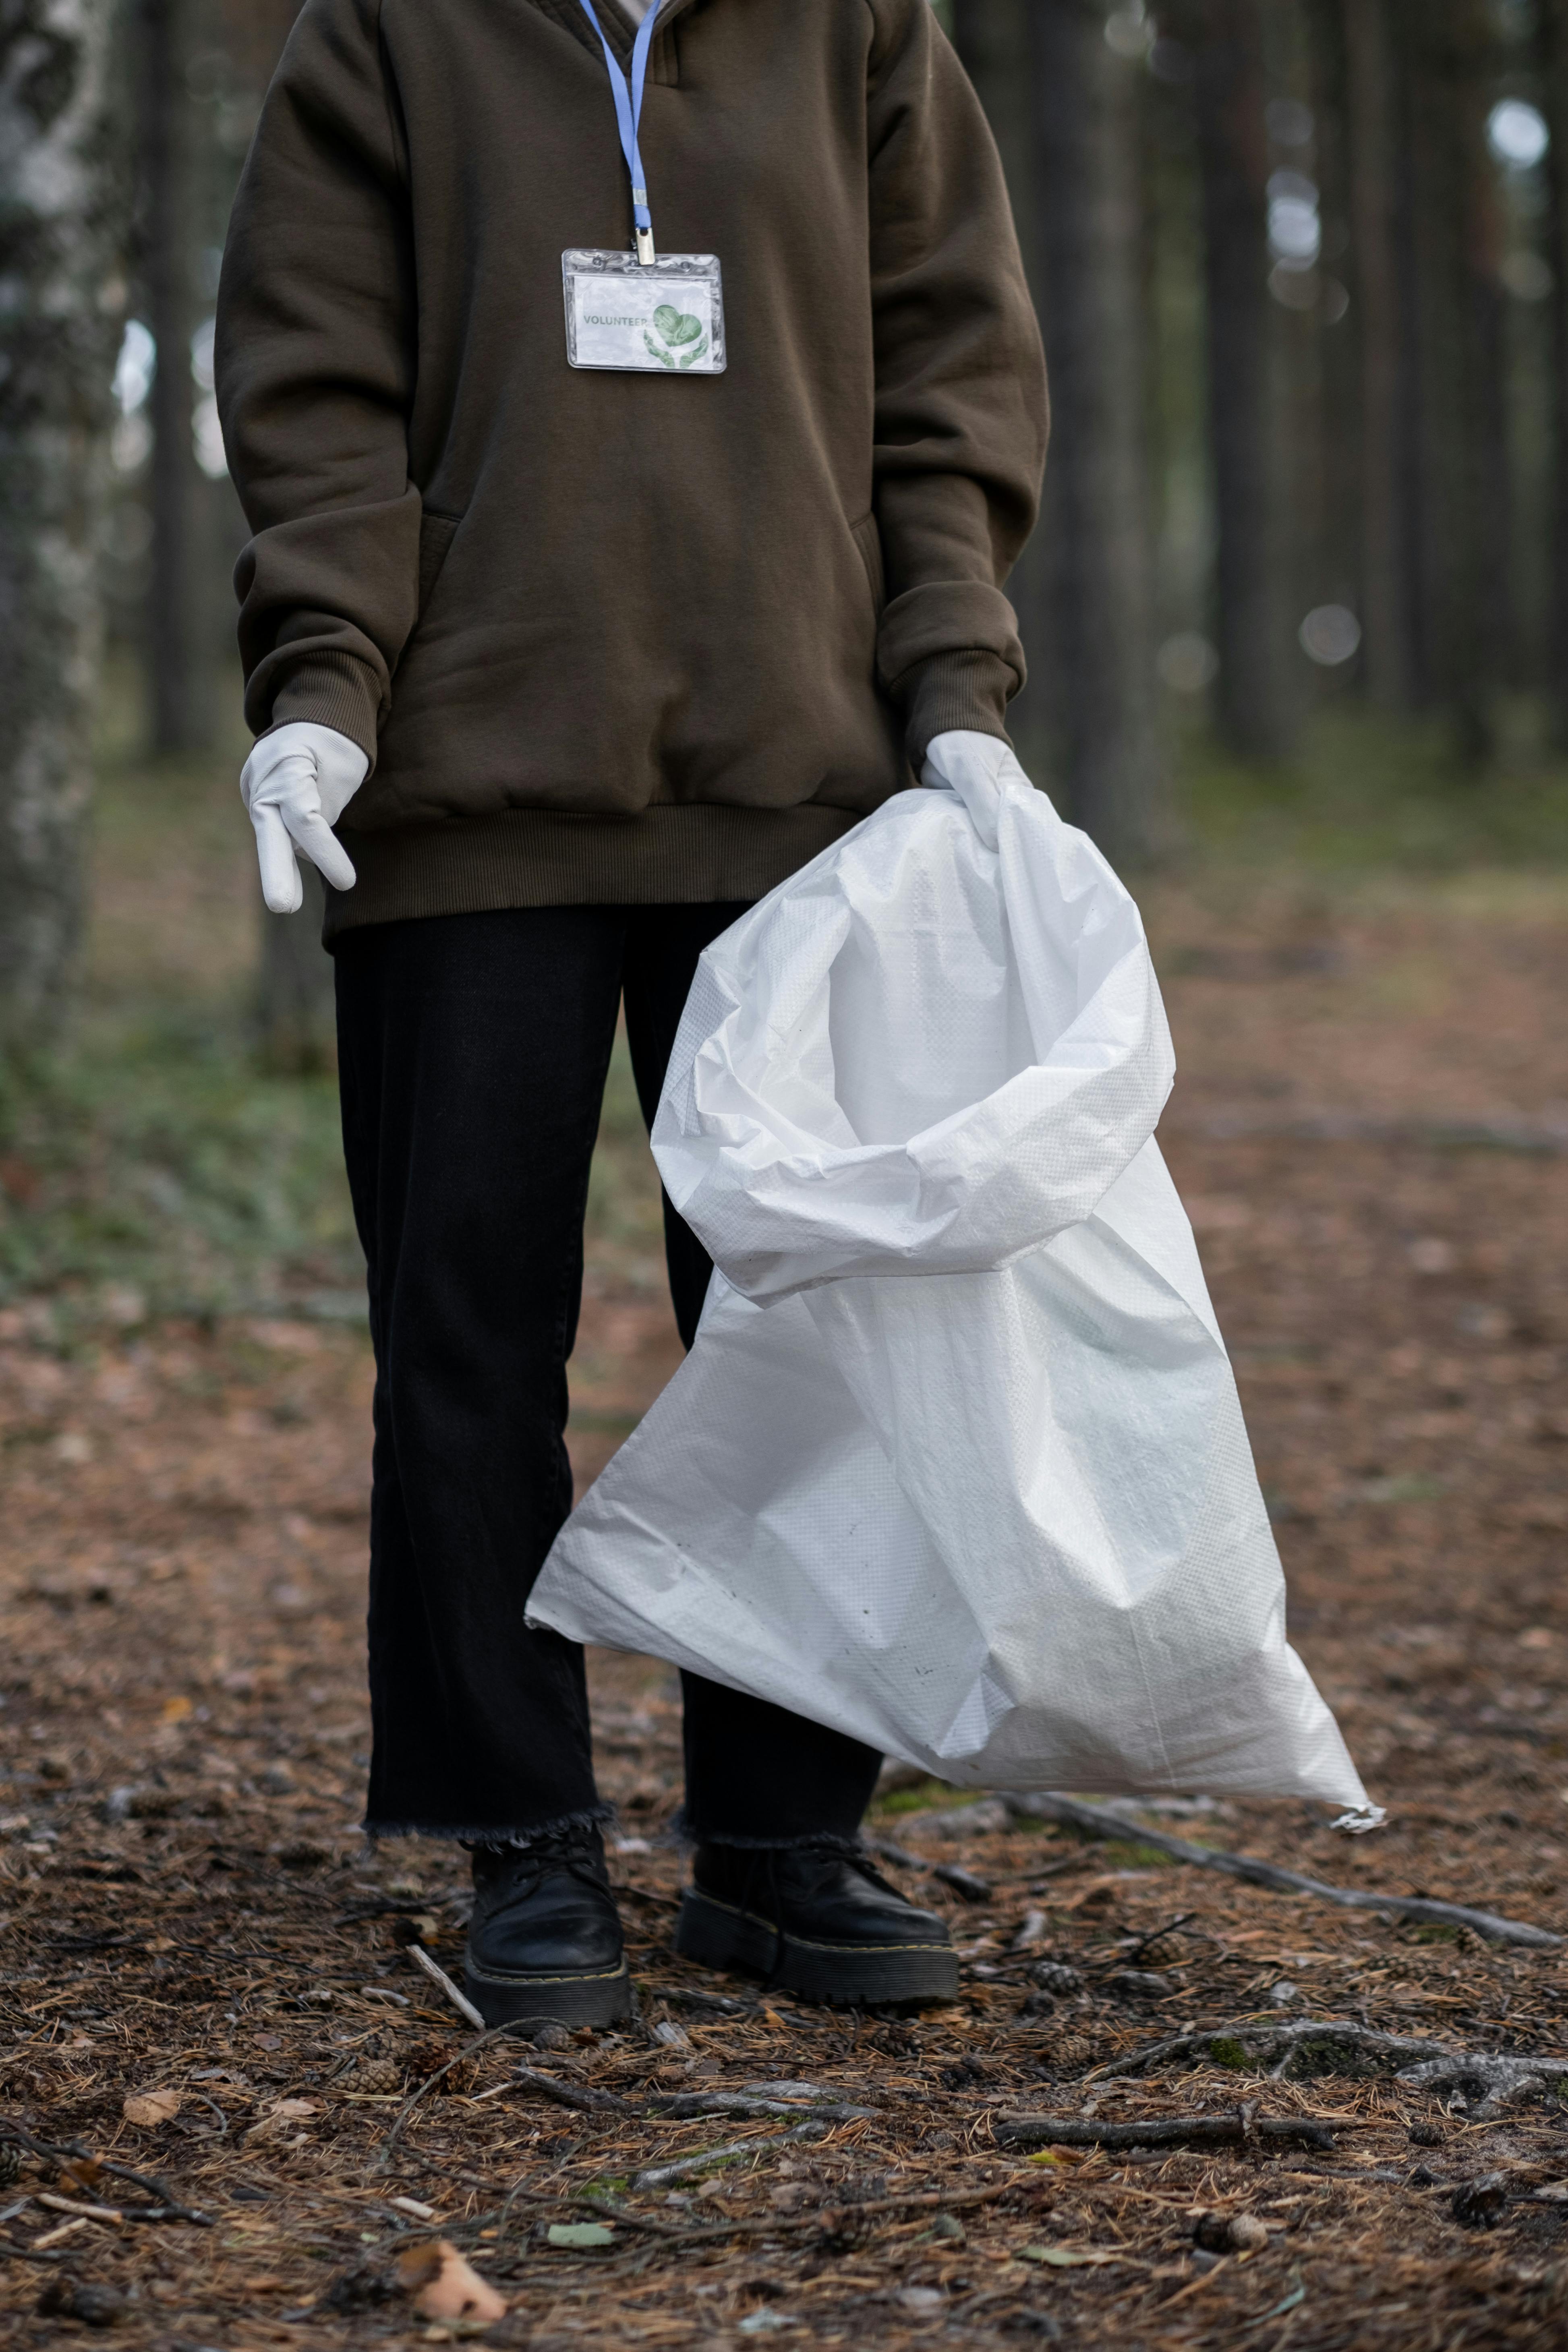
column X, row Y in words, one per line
column 296, row 784
column 976, row 767
column 962, row 751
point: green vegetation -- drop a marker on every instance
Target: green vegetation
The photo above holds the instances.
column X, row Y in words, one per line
column 1370, row 795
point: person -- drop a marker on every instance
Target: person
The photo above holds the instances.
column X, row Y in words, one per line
column 562, row 649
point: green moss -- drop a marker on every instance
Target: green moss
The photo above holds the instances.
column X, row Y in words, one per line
column 1124, row 1855
column 928, row 1794
column 1225, row 2052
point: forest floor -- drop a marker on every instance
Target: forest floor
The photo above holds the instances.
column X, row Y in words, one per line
column 206, row 1974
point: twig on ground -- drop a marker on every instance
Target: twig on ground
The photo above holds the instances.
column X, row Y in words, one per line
column 583, row 2097
column 679, row 2104
column 437, row 1975
column 659, row 2176
column 1238, row 2130
column 963, row 1882
column 688, row 1997
column 764, row 2225
column 1131, row 1959
column 165, row 2206
column 1305, row 2047
column 1097, row 1823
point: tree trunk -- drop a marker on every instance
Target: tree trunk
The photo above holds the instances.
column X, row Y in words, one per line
column 1376, row 315
column 297, row 1016
column 179, row 713
column 1257, row 687
column 992, row 37
column 1554, row 83
column 1457, row 334
column 1096, row 552
column 59, row 325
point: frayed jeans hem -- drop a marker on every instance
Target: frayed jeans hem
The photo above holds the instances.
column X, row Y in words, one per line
column 491, row 1833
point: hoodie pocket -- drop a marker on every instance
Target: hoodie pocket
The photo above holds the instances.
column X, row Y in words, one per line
column 867, row 537
column 436, row 532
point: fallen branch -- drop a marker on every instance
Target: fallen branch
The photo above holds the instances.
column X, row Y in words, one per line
column 1096, row 1822
column 164, row 2205
column 1242, row 2129
column 1337, row 2046
column 681, row 2105
column 963, row 1882
column 583, row 2097
column 659, row 2176
column 1486, row 2085
column 764, row 2225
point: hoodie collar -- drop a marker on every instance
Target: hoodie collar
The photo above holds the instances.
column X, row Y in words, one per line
column 619, row 30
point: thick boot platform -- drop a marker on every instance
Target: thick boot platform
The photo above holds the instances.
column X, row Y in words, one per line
column 852, row 1973
column 605, row 1998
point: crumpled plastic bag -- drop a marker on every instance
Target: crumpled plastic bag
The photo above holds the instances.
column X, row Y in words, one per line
column 956, row 1465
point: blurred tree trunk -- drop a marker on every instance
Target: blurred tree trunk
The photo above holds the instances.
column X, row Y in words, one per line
column 992, row 37
column 61, row 323
column 181, row 720
column 1258, row 686
column 172, row 668
column 1096, row 552
column 1330, row 499
column 297, row 1014
column 1377, row 317
column 1554, row 32
column 1458, row 570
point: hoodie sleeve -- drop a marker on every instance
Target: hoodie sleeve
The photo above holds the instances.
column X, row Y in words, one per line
column 960, row 406
column 315, row 363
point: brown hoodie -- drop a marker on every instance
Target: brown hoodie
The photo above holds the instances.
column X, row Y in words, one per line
column 623, row 637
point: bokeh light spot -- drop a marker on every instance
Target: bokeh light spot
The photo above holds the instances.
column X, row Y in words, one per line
column 1330, row 635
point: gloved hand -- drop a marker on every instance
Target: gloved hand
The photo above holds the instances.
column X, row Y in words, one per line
column 296, row 784
column 949, row 756
column 975, row 767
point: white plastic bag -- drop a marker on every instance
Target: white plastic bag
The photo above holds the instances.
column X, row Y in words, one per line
column 957, row 1464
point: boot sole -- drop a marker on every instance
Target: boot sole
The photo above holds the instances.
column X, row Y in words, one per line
column 720, row 1936
column 601, row 2000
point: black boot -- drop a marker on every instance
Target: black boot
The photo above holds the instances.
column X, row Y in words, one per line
column 816, row 1920
column 544, row 1939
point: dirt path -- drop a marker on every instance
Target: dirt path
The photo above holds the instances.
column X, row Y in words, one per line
column 185, row 1905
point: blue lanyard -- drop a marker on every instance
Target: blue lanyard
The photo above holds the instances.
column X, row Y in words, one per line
column 629, row 115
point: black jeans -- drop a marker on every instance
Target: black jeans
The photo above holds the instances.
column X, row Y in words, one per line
column 473, row 1053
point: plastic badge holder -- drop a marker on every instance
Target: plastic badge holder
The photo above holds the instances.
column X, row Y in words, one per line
column 667, row 319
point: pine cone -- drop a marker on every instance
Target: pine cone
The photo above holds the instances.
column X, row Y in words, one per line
column 10, row 2164
column 382, row 2076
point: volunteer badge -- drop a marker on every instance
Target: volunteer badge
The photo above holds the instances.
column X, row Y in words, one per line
column 666, row 319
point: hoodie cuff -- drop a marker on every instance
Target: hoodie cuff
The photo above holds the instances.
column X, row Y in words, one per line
column 331, row 690
column 948, row 692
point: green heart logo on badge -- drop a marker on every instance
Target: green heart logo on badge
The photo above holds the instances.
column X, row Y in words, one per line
column 677, row 327
column 675, row 339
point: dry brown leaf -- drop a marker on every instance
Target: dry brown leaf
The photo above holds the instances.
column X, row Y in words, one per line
column 149, row 2108
column 416, row 2266
column 443, row 2286
column 82, row 2172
